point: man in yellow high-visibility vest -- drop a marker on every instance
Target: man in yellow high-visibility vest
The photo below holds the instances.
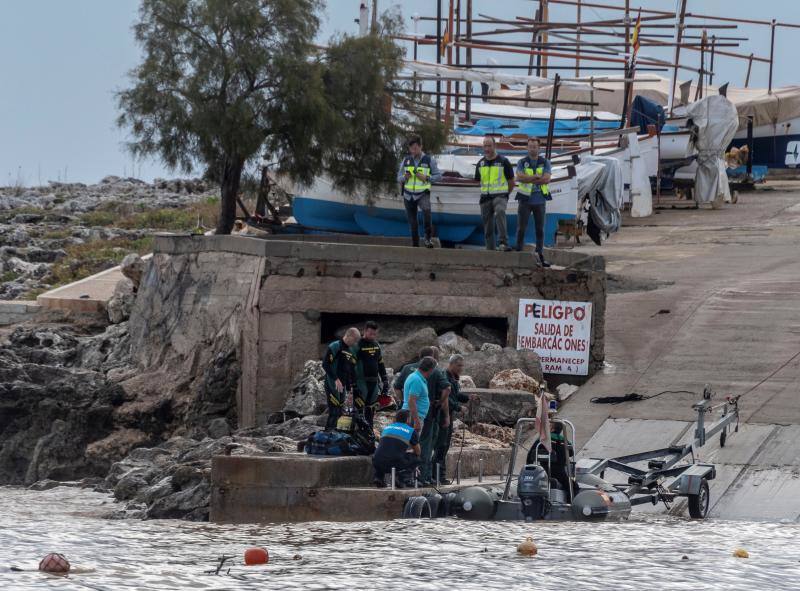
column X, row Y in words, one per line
column 417, row 172
column 533, row 193
column 496, row 176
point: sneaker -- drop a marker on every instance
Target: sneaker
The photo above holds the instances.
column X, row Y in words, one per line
column 543, row 262
column 428, row 243
column 505, row 248
column 445, row 482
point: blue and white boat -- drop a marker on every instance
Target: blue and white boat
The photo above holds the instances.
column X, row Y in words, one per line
column 454, row 206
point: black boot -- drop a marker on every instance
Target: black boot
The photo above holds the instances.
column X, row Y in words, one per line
column 543, row 262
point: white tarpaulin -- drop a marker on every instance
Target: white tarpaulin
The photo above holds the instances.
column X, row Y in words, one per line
column 600, row 177
column 716, row 120
column 477, row 75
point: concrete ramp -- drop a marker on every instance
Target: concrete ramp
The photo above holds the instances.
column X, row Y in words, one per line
column 757, row 470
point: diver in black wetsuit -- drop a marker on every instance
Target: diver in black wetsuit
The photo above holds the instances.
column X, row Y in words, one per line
column 562, row 451
column 371, row 379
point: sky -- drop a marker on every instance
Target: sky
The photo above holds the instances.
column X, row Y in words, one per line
column 61, row 62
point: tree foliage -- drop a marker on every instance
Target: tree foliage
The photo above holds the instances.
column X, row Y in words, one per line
column 224, row 81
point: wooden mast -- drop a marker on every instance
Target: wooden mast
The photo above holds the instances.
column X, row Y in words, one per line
column 681, row 17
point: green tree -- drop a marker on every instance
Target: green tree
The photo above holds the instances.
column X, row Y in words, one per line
column 224, row 81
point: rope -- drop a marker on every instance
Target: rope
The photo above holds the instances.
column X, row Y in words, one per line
column 634, row 397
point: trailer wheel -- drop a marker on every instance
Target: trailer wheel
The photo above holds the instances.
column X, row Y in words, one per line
column 417, row 508
column 698, row 504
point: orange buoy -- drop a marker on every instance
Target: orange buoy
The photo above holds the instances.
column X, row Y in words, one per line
column 528, row 548
column 54, row 563
column 253, row 556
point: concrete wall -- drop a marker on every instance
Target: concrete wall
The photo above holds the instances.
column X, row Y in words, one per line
column 298, row 487
column 15, row 311
column 271, row 295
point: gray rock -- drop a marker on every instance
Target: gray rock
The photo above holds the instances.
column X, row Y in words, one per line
column 121, row 303
column 131, row 484
column 132, row 266
column 450, row 343
column 219, row 427
column 394, row 329
column 490, row 347
column 501, row 407
column 407, row 349
column 308, row 394
column 482, row 366
column 478, row 334
column 44, row 255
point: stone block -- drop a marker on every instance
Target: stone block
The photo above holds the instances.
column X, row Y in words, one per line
column 276, row 327
column 502, row 407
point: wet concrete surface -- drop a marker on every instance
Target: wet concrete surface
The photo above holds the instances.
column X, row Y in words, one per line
column 726, row 312
column 709, row 297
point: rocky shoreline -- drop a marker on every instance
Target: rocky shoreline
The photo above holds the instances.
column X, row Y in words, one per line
column 127, row 405
column 70, row 412
column 62, row 232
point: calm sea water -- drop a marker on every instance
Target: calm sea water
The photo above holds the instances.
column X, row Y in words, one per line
column 643, row 553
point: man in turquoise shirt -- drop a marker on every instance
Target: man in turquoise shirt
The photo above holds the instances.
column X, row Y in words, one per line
column 415, row 392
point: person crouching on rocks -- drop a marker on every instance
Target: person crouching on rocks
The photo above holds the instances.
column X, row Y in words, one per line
column 399, row 449
column 339, row 364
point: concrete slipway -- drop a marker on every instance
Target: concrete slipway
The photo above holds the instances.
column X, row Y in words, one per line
column 706, row 296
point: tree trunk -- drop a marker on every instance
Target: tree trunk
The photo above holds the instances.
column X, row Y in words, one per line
column 229, row 189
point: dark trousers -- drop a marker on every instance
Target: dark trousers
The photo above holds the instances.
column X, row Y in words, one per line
column 403, row 465
column 493, row 213
column 427, row 440
column 524, row 212
column 365, row 398
column 413, row 206
column 335, row 407
column 441, row 449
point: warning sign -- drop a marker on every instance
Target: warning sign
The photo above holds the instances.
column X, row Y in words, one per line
column 559, row 332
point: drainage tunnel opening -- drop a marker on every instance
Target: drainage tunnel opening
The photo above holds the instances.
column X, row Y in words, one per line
column 394, row 327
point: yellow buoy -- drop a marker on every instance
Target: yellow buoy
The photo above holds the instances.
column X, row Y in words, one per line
column 741, row 553
column 528, row 548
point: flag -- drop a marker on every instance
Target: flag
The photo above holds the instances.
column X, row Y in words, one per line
column 635, row 35
column 543, row 423
column 445, row 40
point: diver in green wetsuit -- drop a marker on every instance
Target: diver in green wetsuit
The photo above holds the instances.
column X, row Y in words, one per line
column 371, row 378
column 455, row 367
column 339, row 364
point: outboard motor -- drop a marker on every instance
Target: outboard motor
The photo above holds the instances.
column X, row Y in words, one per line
column 533, row 490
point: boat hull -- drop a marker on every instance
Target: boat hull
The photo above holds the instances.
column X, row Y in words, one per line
column 775, row 146
column 455, row 212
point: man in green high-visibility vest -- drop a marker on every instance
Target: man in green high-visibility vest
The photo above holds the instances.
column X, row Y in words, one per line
column 496, row 176
column 417, row 172
column 533, row 193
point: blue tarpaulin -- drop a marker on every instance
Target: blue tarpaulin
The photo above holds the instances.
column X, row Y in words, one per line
column 645, row 112
column 535, row 127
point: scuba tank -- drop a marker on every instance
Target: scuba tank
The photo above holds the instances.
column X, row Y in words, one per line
column 345, row 422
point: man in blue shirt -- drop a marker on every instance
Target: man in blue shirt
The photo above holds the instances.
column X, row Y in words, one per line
column 429, row 410
column 398, row 449
column 417, row 172
column 533, row 192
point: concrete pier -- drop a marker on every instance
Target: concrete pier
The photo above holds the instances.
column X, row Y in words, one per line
column 295, row 487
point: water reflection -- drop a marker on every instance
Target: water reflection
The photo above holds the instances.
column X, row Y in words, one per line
column 644, row 553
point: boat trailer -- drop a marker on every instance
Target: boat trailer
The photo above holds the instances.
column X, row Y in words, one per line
column 536, row 491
